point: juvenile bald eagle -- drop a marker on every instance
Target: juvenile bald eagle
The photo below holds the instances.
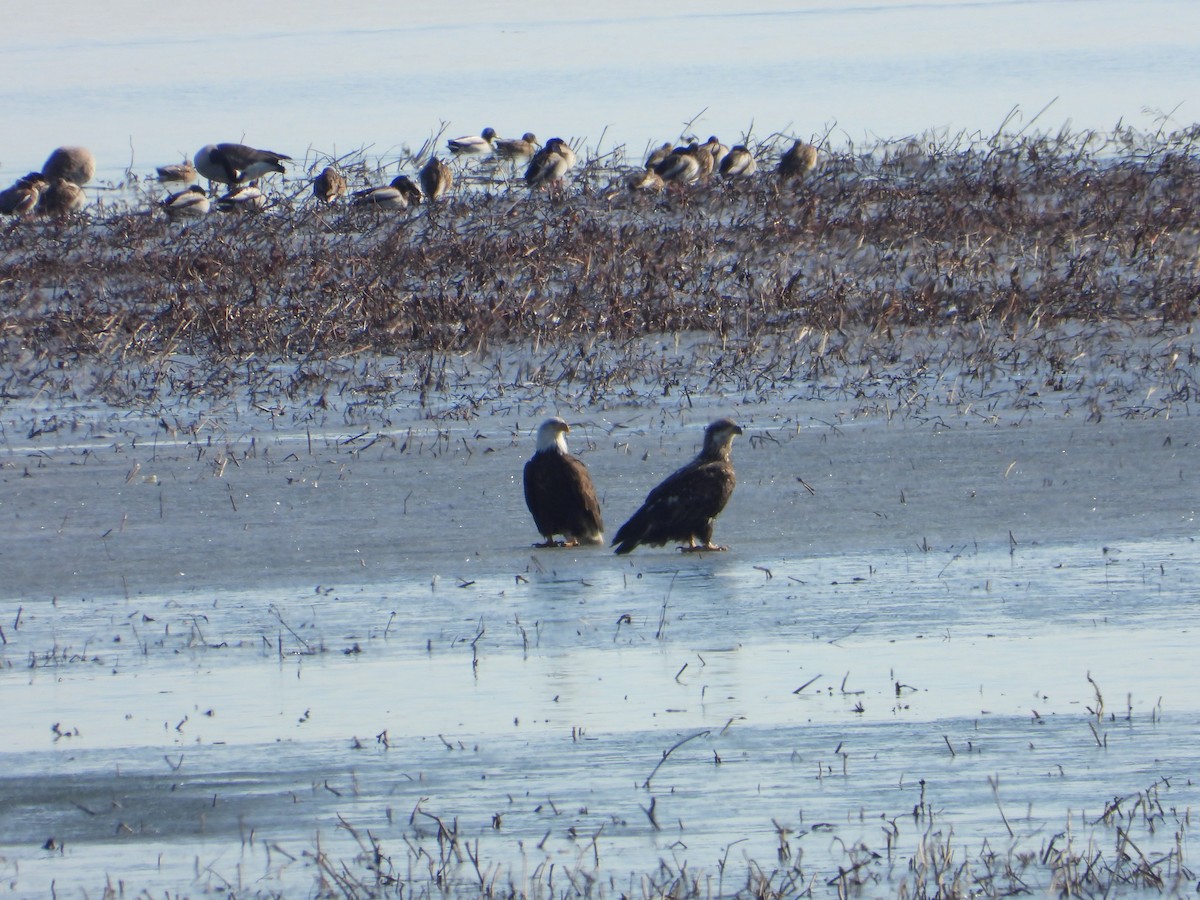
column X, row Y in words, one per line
column 559, row 491
column 685, row 506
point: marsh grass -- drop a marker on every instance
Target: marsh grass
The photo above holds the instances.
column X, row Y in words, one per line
column 1101, row 856
column 991, row 239
column 898, row 278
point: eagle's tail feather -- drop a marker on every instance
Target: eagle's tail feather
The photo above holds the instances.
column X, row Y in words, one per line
column 631, row 533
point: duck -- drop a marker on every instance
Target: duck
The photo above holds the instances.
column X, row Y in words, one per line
column 234, row 163
column 473, row 144
column 73, row 164
column 739, row 162
column 682, row 166
column 798, row 161
column 718, row 150
column 397, row 195
column 658, row 154
column 181, row 172
column 517, row 150
column 244, row 199
column 21, row 199
column 706, row 160
column 61, row 197
column 550, row 164
column 190, row 203
column 329, row 185
column 436, row 178
column 645, row 180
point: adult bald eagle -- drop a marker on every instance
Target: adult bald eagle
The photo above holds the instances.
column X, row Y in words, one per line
column 559, row 491
column 685, row 506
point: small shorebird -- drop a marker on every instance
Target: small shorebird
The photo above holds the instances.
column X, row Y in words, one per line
column 181, row 172
column 550, row 164
column 74, row 164
column 60, row 198
column 472, row 144
column 190, row 203
column 234, row 163
column 517, row 150
column 738, row 163
column 329, row 185
column 244, row 199
column 436, row 178
column 798, row 161
column 22, row 198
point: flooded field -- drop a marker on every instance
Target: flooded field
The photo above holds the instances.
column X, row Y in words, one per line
column 271, row 623
column 265, row 655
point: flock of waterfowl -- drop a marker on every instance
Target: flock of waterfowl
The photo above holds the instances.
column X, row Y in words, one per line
column 683, row 507
column 57, row 190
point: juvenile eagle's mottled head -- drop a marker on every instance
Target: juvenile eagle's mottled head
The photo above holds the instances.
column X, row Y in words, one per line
column 553, row 433
column 718, row 436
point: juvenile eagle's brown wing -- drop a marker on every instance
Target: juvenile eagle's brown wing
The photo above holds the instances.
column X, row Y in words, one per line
column 681, row 507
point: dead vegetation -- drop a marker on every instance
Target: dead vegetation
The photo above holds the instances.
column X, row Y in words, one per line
column 1105, row 856
column 1003, row 235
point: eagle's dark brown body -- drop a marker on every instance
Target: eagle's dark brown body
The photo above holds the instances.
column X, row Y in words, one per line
column 559, row 491
column 685, row 506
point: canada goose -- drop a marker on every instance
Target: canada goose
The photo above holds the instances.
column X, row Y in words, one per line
column 234, row 163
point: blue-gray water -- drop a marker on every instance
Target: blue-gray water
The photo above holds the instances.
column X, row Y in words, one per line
column 150, row 83
column 223, row 648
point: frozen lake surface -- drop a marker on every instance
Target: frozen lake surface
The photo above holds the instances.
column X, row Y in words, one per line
column 238, row 656
column 143, row 86
column 265, row 646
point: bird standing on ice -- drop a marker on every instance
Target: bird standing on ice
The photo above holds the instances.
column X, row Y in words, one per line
column 686, row 505
column 559, row 491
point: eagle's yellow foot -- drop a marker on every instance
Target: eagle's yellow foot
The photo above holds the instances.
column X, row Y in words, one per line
column 703, row 548
column 550, row 543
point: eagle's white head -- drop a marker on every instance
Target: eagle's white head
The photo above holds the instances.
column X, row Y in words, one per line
column 553, row 434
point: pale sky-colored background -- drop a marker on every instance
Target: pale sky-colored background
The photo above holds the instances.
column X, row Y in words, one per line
column 151, row 83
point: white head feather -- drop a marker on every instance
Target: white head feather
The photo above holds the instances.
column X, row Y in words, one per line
column 553, row 433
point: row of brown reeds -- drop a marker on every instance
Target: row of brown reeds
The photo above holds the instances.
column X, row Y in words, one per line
column 1005, row 234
